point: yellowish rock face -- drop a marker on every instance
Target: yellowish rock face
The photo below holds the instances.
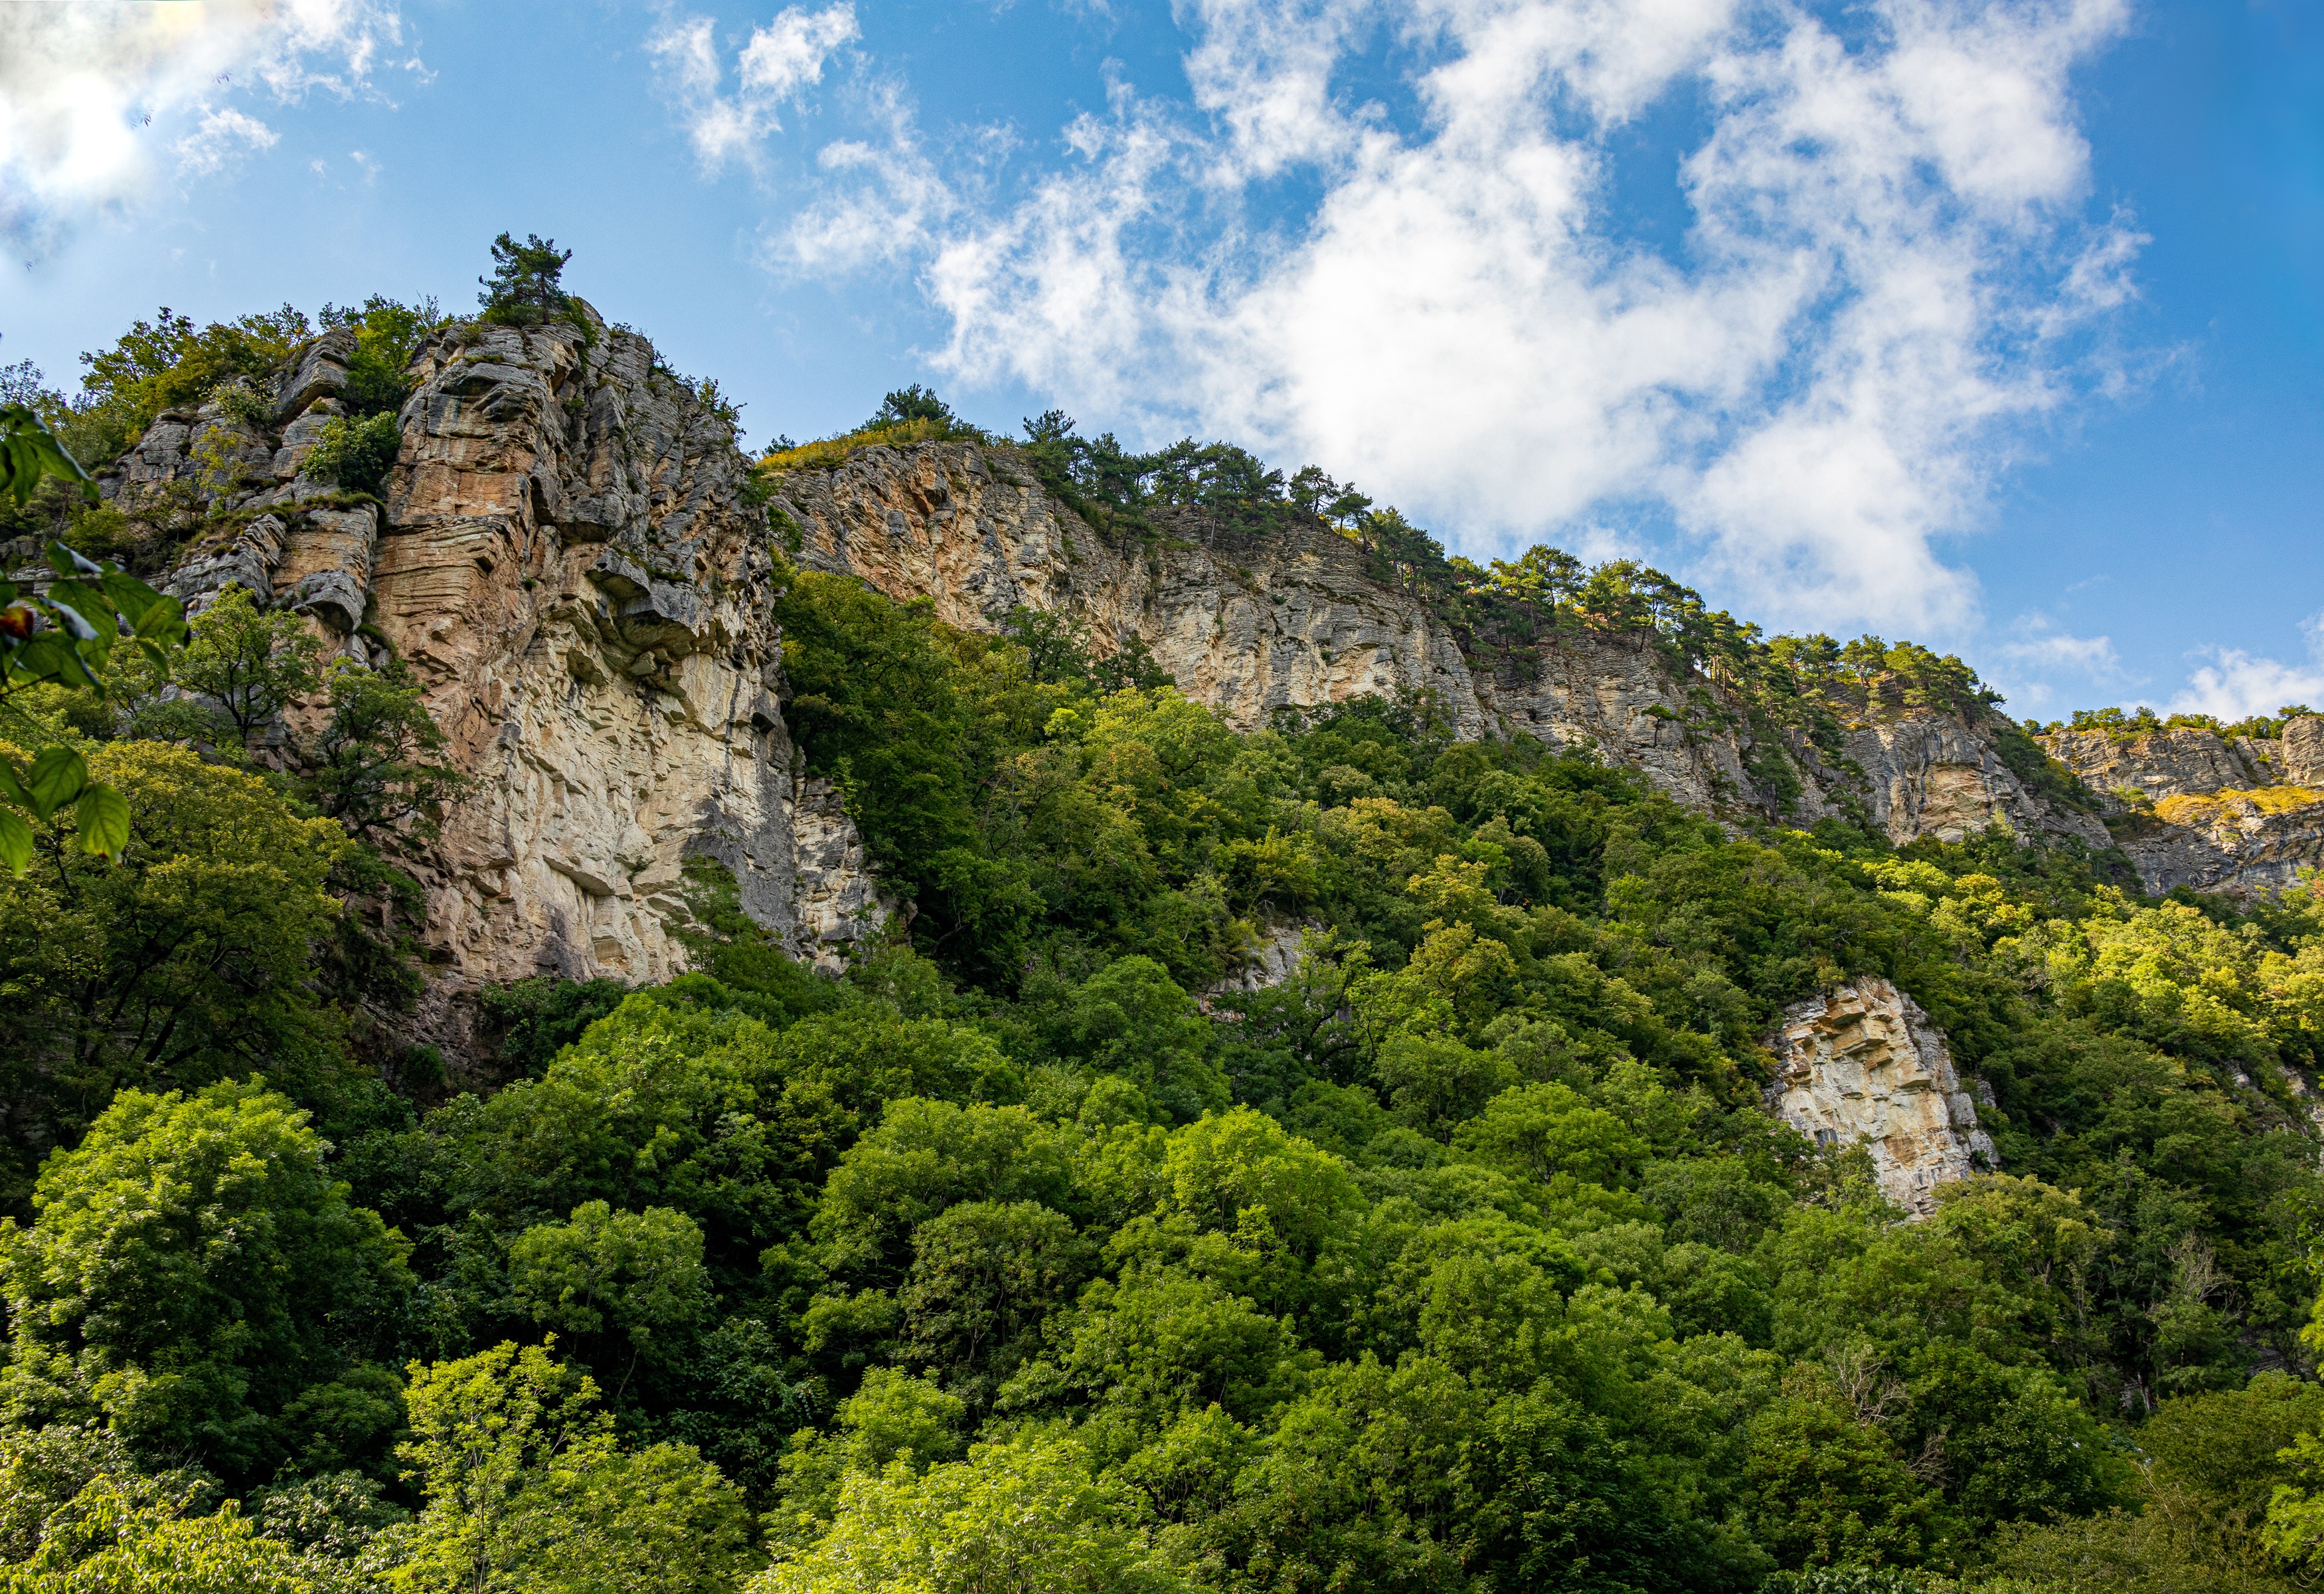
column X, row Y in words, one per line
column 1863, row 1065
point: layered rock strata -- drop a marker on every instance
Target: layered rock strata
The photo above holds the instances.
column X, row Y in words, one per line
column 1299, row 620
column 1863, row 1065
column 565, row 559
column 2193, row 808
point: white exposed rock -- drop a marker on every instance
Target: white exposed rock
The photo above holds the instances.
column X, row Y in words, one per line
column 836, row 902
column 1933, row 776
column 1274, row 959
column 1299, row 619
column 565, row 562
column 1863, row 1064
column 2183, row 760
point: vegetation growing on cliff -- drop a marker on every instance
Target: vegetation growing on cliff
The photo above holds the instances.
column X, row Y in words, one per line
column 1465, row 1256
column 1796, row 696
column 1052, row 1249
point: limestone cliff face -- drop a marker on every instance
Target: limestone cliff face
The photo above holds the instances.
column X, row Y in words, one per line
column 2193, row 808
column 565, row 559
column 1299, row 621
column 1934, row 777
column 1862, row 1064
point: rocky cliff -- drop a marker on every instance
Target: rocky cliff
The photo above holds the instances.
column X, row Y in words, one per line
column 566, row 559
column 1300, row 621
column 2193, row 808
column 1863, row 1065
column 572, row 555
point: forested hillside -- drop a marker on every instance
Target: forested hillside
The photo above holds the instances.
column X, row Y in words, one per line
column 1051, row 1246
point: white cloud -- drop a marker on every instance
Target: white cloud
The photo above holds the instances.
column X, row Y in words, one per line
column 782, row 57
column 2037, row 654
column 2235, row 685
column 2039, row 647
column 83, row 87
column 1887, row 264
column 224, row 137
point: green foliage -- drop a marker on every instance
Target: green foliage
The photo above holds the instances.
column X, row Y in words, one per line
column 185, row 962
column 1330, row 1156
column 169, row 363
column 528, row 1489
column 376, row 765
column 1033, row 1515
column 525, row 288
column 193, row 1268
column 30, row 454
column 252, row 663
column 724, row 942
column 532, row 1020
column 388, row 336
column 632, row 1278
column 354, row 453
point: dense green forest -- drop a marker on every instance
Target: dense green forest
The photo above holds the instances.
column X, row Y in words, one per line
column 1038, row 1253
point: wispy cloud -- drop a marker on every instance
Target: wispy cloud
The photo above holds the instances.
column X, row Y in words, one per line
column 2040, row 646
column 83, row 89
column 1888, row 268
column 781, row 60
column 2037, row 655
column 223, row 138
column 2236, row 684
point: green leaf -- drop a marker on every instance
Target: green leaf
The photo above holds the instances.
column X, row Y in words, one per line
column 49, row 657
column 71, row 620
column 131, row 598
column 12, row 786
column 15, row 843
column 68, row 561
column 163, row 621
column 82, row 598
column 28, row 453
column 104, row 816
column 59, row 775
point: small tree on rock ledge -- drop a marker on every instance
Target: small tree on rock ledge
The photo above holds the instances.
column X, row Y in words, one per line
column 523, row 289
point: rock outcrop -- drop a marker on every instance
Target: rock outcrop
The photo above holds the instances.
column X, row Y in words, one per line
column 1863, row 1065
column 570, row 557
column 565, row 559
column 2193, row 808
column 1299, row 620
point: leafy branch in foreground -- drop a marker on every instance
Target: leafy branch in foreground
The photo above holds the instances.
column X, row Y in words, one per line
column 61, row 637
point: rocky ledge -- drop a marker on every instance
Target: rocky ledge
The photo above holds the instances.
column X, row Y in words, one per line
column 1863, row 1065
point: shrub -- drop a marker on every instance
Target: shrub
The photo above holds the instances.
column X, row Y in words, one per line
column 355, row 454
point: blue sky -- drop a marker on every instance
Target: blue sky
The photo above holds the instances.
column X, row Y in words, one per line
column 1997, row 326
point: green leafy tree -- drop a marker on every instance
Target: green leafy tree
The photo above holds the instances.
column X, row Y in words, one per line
column 170, row 363
column 525, row 288
column 1132, row 1019
column 985, row 1275
column 632, row 1280
column 376, row 764
column 194, row 1269
column 129, row 1532
column 354, row 453
column 186, row 961
column 655, row 1106
column 252, row 663
column 1034, row 1516
column 1826, row 1485
column 527, row 1490
column 388, row 337
column 892, row 1421
column 923, row 1157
